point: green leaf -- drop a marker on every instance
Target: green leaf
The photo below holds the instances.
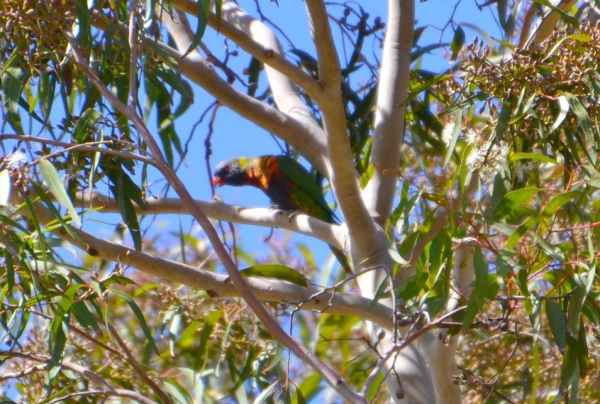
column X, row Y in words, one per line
column 481, row 274
column 534, row 309
column 46, row 200
column 173, row 330
column 421, row 86
column 140, row 317
column 550, row 250
column 533, row 156
column 580, row 37
column 246, row 370
column 574, row 310
column 559, row 201
column 504, row 265
column 507, row 45
column 457, row 42
column 5, row 186
column 421, row 50
column 464, row 168
column 583, row 353
column 563, row 104
column 84, row 316
column 61, row 319
column 498, row 191
column 557, row 322
column 521, row 230
column 47, row 94
column 479, row 291
column 263, row 397
column 188, row 337
column 455, row 133
column 569, row 365
column 470, row 314
column 127, row 211
column 13, row 79
column 568, row 18
column 10, row 270
column 130, row 188
column 202, row 16
column 503, row 120
column 469, row 102
column 58, row 190
column 210, row 323
column 175, row 81
column 85, row 125
column 581, row 113
column 382, row 292
column 366, row 176
column 275, row 271
column 511, row 200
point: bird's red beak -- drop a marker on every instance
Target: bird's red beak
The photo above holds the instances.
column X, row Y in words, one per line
column 218, row 182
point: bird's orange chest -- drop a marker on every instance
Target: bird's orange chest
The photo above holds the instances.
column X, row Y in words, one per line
column 263, row 173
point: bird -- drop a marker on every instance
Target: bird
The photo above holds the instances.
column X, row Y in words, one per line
column 286, row 182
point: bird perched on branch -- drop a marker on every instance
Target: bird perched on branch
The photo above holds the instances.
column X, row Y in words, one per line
column 287, row 183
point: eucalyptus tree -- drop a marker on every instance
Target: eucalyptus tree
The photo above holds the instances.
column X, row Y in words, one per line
column 468, row 200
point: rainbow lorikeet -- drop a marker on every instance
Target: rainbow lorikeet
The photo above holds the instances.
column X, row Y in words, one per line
column 285, row 181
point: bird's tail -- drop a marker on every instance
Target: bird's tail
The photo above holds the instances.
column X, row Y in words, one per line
column 341, row 257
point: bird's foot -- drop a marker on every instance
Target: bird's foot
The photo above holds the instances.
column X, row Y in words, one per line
column 274, row 208
column 290, row 214
column 293, row 213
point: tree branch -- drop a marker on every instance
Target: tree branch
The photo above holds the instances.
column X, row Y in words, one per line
column 546, row 24
column 299, row 223
column 438, row 348
column 137, row 368
column 107, row 390
column 256, row 38
column 343, row 175
column 299, row 129
column 389, row 117
column 216, row 285
column 270, row 324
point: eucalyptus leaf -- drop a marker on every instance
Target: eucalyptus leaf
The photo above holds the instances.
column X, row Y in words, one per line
column 55, row 185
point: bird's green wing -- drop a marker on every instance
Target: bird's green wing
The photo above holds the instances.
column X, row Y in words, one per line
column 302, row 178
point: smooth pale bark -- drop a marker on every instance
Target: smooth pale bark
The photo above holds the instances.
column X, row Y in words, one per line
column 364, row 236
column 545, row 25
column 301, row 133
column 216, row 284
column 299, row 223
column 389, row 116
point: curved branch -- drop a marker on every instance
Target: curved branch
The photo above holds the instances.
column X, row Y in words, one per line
column 389, row 117
column 299, row 223
column 439, row 348
column 299, row 130
column 546, row 24
column 137, row 368
column 270, row 324
column 329, row 63
column 218, row 285
column 296, row 129
column 107, row 390
column 258, row 40
column 363, row 232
